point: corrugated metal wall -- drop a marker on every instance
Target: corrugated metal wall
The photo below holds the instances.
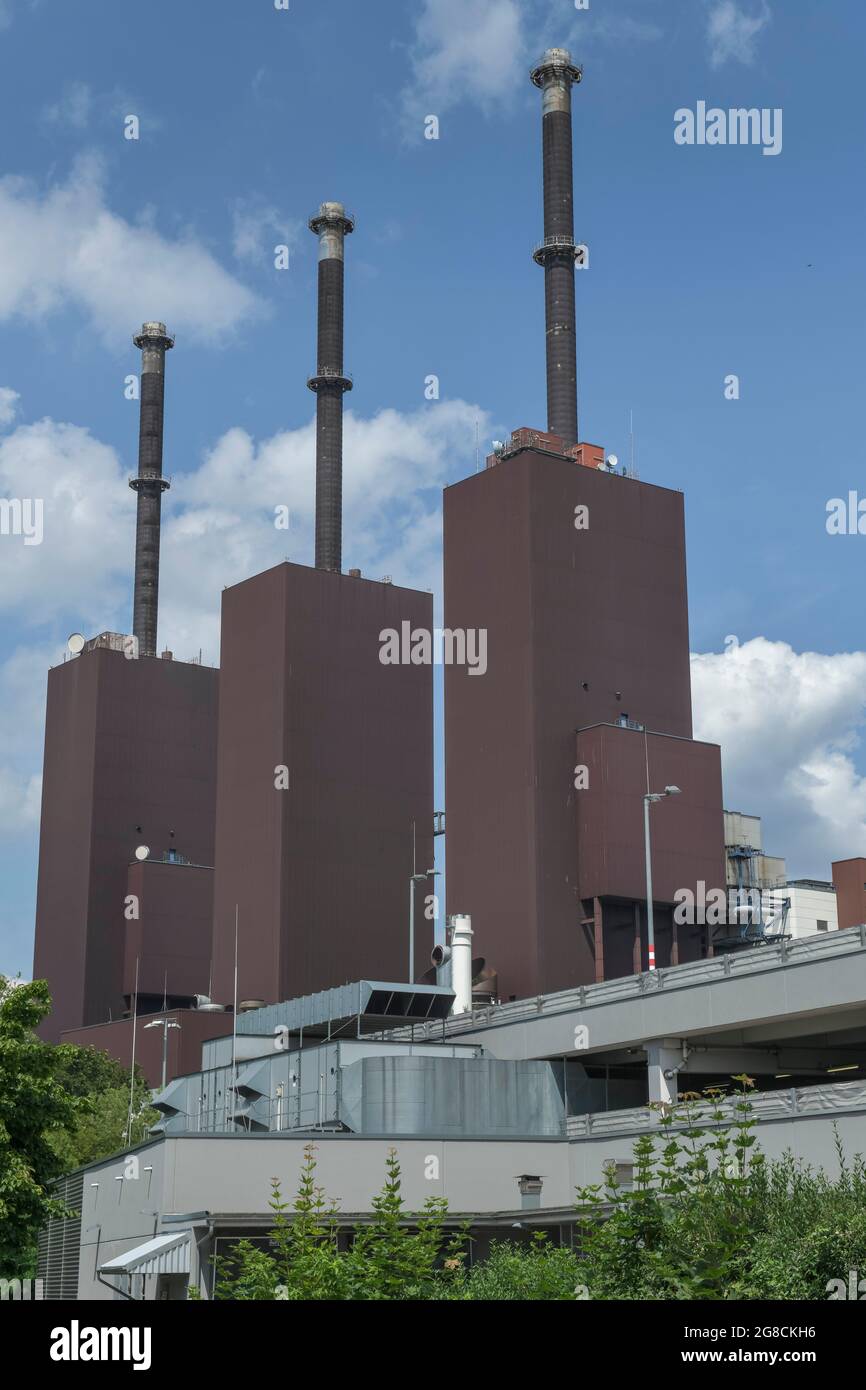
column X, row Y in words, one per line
column 59, row 1243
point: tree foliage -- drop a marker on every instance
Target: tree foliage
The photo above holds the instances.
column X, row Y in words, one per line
column 33, row 1102
column 60, row 1107
column 708, row 1217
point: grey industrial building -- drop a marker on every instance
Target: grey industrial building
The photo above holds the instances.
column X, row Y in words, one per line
column 502, row 1111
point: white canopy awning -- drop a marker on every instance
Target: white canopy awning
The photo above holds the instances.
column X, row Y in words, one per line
column 168, row 1254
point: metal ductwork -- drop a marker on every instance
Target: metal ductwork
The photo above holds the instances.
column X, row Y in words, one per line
column 331, row 224
column 555, row 75
column 149, row 485
column 461, row 962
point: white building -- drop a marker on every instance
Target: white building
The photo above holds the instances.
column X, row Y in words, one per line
column 813, row 907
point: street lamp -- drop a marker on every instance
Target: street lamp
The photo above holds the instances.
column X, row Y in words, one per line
column 649, row 797
column 164, row 1024
column 415, row 878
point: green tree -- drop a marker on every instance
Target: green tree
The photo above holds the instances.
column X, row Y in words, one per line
column 395, row 1256
column 540, row 1271
column 33, row 1102
column 683, row 1229
column 303, row 1261
column 392, row 1259
column 808, row 1229
column 99, row 1129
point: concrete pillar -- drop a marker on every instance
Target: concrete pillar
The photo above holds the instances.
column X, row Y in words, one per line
column 663, row 1055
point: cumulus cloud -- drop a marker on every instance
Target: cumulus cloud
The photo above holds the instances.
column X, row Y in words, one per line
column 22, row 716
column 395, row 466
column 218, row 528
column 463, row 49
column 65, row 247
column 480, row 51
column 790, row 725
column 8, row 405
column 733, row 30
column 257, row 227
column 86, row 522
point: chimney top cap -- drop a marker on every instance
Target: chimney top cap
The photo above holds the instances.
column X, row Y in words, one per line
column 332, row 215
column 153, row 331
column 556, row 62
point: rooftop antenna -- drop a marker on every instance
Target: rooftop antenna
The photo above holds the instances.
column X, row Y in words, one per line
column 631, row 440
column 132, row 1062
column 477, row 449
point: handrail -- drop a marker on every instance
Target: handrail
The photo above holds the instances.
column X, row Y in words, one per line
column 800, row 951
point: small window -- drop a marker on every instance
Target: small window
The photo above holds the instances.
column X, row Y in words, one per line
column 822, row 926
column 621, row 1174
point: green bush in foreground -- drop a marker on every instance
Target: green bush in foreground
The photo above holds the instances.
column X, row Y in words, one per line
column 706, row 1217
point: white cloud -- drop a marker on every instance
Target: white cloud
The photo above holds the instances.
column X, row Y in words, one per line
column 218, row 528
column 66, row 248
column 789, row 724
column 463, row 50
column 22, row 715
column 733, row 31
column 8, row 405
column 87, row 523
column 72, row 108
column 394, row 468
column 481, row 51
column 257, row 228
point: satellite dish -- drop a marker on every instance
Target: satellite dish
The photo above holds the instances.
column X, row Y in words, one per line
column 612, row 462
column 142, row 852
column 75, row 643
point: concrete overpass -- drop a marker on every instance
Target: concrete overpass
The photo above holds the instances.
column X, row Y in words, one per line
column 796, row 1008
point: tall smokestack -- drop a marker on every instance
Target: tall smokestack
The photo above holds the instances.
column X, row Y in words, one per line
column 555, row 75
column 331, row 225
column 150, row 484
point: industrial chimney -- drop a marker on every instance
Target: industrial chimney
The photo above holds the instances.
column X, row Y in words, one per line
column 555, row 75
column 150, row 484
column 331, row 224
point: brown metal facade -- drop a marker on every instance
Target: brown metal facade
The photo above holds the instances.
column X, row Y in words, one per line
column 170, row 937
column 849, row 879
column 130, row 757
column 184, row 1042
column 586, row 624
column 319, row 870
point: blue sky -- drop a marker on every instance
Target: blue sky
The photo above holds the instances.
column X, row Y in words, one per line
column 704, row 261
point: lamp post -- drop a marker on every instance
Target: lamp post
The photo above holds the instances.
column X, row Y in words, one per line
column 415, row 878
column 164, row 1024
column 649, row 797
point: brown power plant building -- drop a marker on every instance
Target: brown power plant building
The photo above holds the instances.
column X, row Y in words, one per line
column 287, row 799
column 325, row 765
column 578, row 576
